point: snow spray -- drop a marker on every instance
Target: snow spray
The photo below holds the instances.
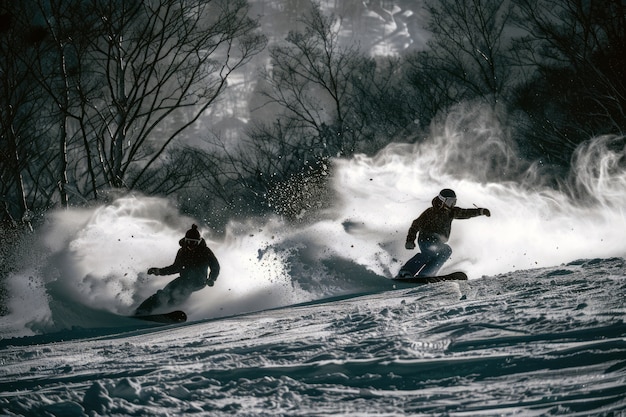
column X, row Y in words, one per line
column 93, row 262
column 531, row 225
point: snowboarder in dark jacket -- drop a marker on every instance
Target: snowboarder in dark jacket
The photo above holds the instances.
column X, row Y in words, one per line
column 434, row 226
column 192, row 262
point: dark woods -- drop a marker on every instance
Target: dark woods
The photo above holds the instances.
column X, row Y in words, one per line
column 105, row 96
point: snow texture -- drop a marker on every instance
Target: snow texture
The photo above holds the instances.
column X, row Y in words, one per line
column 304, row 319
column 538, row 342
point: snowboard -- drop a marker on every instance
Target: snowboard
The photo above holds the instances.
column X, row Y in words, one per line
column 172, row 317
column 454, row 276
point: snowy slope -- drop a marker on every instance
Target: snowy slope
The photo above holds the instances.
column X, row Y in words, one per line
column 304, row 320
column 536, row 342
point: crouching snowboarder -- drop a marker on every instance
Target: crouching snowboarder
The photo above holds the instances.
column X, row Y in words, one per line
column 192, row 262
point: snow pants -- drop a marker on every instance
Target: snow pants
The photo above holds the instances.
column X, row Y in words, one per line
column 174, row 293
column 427, row 263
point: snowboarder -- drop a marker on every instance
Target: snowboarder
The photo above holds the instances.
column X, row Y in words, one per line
column 434, row 226
column 192, row 262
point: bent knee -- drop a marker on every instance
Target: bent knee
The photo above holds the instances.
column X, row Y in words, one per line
column 444, row 251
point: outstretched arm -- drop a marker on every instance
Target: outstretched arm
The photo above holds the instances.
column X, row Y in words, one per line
column 462, row 213
column 176, row 267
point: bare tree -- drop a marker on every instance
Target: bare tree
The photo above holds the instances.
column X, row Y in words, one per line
column 156, row 59
column 310, row 80
column 65, row 30
column 570, row 43
column 384, row 107
column 19, row 106
column 329, row 99
column 468, row 52
column 96, row 94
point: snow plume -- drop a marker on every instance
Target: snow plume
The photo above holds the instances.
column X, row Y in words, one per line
column 89, row 262
column 532, row 225
column 107, row 253
column 361, row 236
column 90, row 268
column 92, row 263
column 599, row 172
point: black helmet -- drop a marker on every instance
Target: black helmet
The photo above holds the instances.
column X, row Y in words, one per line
column 447, row 197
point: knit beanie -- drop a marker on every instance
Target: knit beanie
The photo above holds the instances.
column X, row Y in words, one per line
column 192, row 233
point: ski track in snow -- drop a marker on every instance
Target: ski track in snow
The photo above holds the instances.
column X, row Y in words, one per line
column 549, row 341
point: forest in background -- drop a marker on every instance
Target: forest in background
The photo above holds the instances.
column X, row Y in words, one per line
column 105, row 97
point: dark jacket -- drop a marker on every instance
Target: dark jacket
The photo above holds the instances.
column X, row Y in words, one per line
column 192, row 264
column 435, row 222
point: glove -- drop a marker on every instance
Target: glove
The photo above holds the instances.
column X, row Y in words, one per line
column 211, row 280
column 409, row 245
column 154, row 271
column 485, row 212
